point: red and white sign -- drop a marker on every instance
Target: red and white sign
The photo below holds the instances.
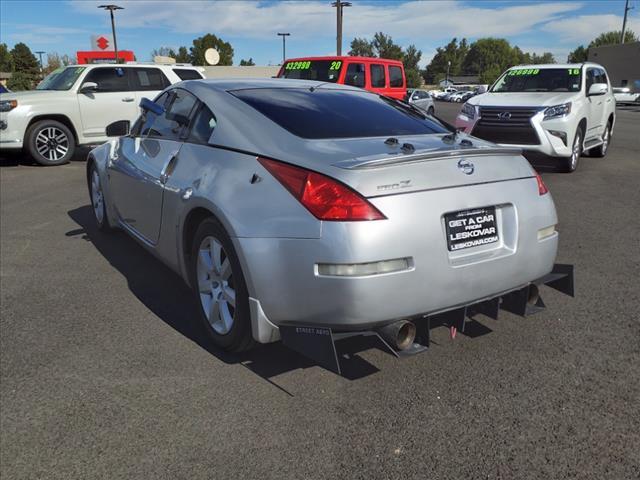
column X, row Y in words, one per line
column 102, row 43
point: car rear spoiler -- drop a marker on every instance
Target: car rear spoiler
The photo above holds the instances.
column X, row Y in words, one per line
column 320, row 344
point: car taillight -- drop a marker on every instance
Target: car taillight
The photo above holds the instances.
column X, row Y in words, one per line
column 542, row 188
column 324, row 197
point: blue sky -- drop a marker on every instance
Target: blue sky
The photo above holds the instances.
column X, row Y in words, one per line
column 251, row 27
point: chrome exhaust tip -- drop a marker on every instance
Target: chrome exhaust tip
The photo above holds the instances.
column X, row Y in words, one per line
column 400, row 335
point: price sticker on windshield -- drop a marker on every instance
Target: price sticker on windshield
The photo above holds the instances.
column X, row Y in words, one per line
column 524, row 71
column 305, row 65
column 573, row 71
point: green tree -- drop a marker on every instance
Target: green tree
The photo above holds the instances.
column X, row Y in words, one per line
column 183, row 55
column 20, row 81
column 361, row 47
column 410, row 58
column 579, row 55
column 247, row 63
column 24, row 61
column 546, row 57
column 6, row 62
column 453, row 52
column 384, row 47
column 489, row 57
column 163, row 52
column 200, row 45
column 613, row 37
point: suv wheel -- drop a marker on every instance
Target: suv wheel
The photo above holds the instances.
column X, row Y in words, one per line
column 576, row 151
column 601, row 150
column 50, row 142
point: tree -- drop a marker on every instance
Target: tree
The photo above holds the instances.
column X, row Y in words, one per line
column 53, row 62
column 453, row 52
column 163, row 52
column 247, row 63
column 579, row 55
column 384, row 47
column 200, row 45
column 489, row 57
column 410, row 58
column 361, row 47
column 24, row 61
column 20, row 81
column 67, row 60
column 6, row 62
column 546, row 57
column 613, row 37
column 183, row 55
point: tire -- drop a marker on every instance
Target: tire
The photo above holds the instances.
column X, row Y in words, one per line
column 431, row 111
column 601, row 151
column 216, row 278
column 571, row 163
column 50, row 143
column 97, row 200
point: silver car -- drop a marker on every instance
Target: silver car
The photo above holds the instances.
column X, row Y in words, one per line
column 288, row 202
column 421, row 99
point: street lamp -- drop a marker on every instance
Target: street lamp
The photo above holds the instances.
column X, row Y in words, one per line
column 448, row 65
column 40, row 52
column 284, row 36
column 111, row 8
column 339, row 5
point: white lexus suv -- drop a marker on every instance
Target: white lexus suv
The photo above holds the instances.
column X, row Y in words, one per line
column 558, row 110
column 73, row 105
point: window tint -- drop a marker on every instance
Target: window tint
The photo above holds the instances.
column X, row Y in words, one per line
column 145, row 79
column 601, row 76
column 187, row 74
column 355, row 75
column 109, row 79
column 202, row 126
column 377, row 76
column 178, row 105
column 395, row 76
column 591, row 78
column 332, row 113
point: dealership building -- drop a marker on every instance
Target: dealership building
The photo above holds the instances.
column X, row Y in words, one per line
column 622, row 62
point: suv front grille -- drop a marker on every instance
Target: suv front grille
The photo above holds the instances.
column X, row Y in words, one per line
column 507, row 125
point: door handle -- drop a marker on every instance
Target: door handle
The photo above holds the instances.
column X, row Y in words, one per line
column 169, row 168
column 128, row 99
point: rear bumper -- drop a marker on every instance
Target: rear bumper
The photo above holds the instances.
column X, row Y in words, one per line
column 282, row 274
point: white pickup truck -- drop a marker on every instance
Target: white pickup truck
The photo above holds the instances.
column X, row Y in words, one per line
column 558, row 110
column 73, row 105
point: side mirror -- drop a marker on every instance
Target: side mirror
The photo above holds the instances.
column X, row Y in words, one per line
column 119, row 128
column 149, row 106
column 598, row 89
column 88, row 87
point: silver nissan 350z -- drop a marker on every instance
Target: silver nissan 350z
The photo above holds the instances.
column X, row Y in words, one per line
column 285, row 202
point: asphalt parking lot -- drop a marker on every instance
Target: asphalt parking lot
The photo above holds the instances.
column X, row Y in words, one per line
column 104, row 374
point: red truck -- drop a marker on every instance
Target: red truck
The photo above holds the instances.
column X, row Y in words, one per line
column 378, row 75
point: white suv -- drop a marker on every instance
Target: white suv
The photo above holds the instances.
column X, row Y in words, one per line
column 558, row 110
column 73, row 105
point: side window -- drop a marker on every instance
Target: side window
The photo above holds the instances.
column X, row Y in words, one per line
column 187, row 74
column 202, row 126
column 395, row 76
column 355, row 75
column 178, row 105
column 602, row 76
column 378, row 79
column 109, row 79
column 148, row 79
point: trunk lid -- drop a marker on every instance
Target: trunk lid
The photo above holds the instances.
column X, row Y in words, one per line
column 435, row 163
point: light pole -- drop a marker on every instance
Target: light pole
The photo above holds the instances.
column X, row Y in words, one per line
column 447, row 82
column 624, row 22
column 284, row 54
column 339, row 6
column 111, row 8
column 40, row 52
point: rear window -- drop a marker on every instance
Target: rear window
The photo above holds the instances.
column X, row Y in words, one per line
column 332, row 113
column 149, row 79
column 395, row 76
column 187, row 74
column 321, row 70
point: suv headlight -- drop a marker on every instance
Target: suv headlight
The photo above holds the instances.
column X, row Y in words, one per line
column 557, row 111
column 8, row 105
column 469, row 110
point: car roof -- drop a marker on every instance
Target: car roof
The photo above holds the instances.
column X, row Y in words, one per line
column 136, row 64
column 347, row 57
column 559, row 65
column 229, row 84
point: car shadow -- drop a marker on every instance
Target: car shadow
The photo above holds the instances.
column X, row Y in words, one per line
column 168, row 297
column 10, row 158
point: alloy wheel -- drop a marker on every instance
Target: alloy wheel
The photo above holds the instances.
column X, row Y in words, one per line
column 215, row 285
column 605, row 140
column 97, row 199
column 52, row 143
column 575, row 153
